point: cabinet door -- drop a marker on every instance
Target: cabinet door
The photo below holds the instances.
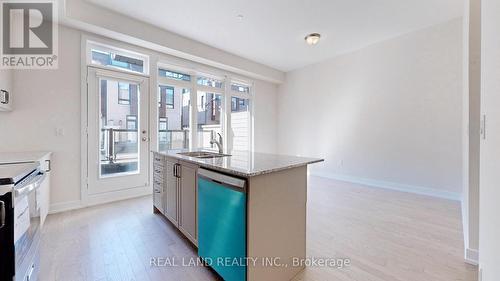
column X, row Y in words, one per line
column 170, row 194
column 188, row 202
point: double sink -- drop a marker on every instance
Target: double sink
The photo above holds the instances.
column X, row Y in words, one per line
column 203, row 154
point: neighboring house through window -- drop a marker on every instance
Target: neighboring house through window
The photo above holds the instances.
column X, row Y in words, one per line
column 124, row 93
column 166, row 97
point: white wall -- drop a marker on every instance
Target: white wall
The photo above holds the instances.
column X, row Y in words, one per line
column 46, row 100
column 6, row 79
column 265, row 117
column 489, row 227
column 389, row 114
column 50, row 99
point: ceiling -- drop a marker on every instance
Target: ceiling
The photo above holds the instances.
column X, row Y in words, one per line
column 272, row 32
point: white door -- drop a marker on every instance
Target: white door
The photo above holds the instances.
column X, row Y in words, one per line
column 118, row 139
column 489, row 233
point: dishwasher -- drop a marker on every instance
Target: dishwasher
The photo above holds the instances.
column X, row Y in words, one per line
column 222, row 223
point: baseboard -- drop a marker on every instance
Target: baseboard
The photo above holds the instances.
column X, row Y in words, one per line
column 472, row 256
column 64, row 206
column 98, row 199
column 108, row 197
column 393, row 186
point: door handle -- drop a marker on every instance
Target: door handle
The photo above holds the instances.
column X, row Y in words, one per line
column 49, row 166
column 6, row 97
column 2, row 214
column 177, row 170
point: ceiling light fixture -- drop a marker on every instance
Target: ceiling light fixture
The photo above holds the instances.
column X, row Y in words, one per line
column 313, row 38
column 240, row 16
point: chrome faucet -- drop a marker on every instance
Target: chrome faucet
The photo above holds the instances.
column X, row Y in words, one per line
column 218, row 143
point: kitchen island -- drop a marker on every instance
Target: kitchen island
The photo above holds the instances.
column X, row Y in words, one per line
column 273, row 211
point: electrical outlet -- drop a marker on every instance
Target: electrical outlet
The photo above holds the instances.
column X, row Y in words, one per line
column 59, row 132
column 340, row 163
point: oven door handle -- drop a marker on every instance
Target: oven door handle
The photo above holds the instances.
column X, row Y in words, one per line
column 32, row 185
column 2, row 214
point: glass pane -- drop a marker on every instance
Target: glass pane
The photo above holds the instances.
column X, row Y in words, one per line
column 119, row 61
column 119, row 127
column 173, row 120
column 167, row 97
column 174, row 75
column 211, row 82
column 209, row 113
column 240, row 88
column 240, row 123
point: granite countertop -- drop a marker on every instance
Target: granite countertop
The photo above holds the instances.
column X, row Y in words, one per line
column 20, row 157
column 245, row 163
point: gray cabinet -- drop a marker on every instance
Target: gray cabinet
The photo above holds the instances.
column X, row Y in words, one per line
column 175, row 193
column 188, row 201
column 171, row 190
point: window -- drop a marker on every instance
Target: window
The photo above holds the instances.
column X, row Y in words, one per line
column 124, row 93
column 162, row 124
column 240, row 118
column 239, row 104
column 132, row 122
column 240, row 123
column 166, row 97
column 209, row 118
column 174, row 75
column 222, row 106
column 240, row 88
column 108, row 56
column 119, row 61
column 173, row 121
column 210, row 82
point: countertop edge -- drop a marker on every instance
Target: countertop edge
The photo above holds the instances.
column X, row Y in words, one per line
column 238, row 173
column 22, row 156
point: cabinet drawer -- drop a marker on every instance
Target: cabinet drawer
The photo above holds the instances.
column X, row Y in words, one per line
column 158, row 170
column 158, row 183
column 158, row 159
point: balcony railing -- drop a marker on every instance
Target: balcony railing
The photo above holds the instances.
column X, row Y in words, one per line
column 173, row 139
column 119, row 145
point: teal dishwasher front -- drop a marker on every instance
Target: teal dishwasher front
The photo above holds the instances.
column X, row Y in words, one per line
column 222, row 223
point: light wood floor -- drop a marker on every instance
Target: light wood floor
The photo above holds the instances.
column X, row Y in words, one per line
column 387, row 235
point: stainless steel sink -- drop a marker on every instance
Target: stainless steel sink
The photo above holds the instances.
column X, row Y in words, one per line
column 203, row 154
